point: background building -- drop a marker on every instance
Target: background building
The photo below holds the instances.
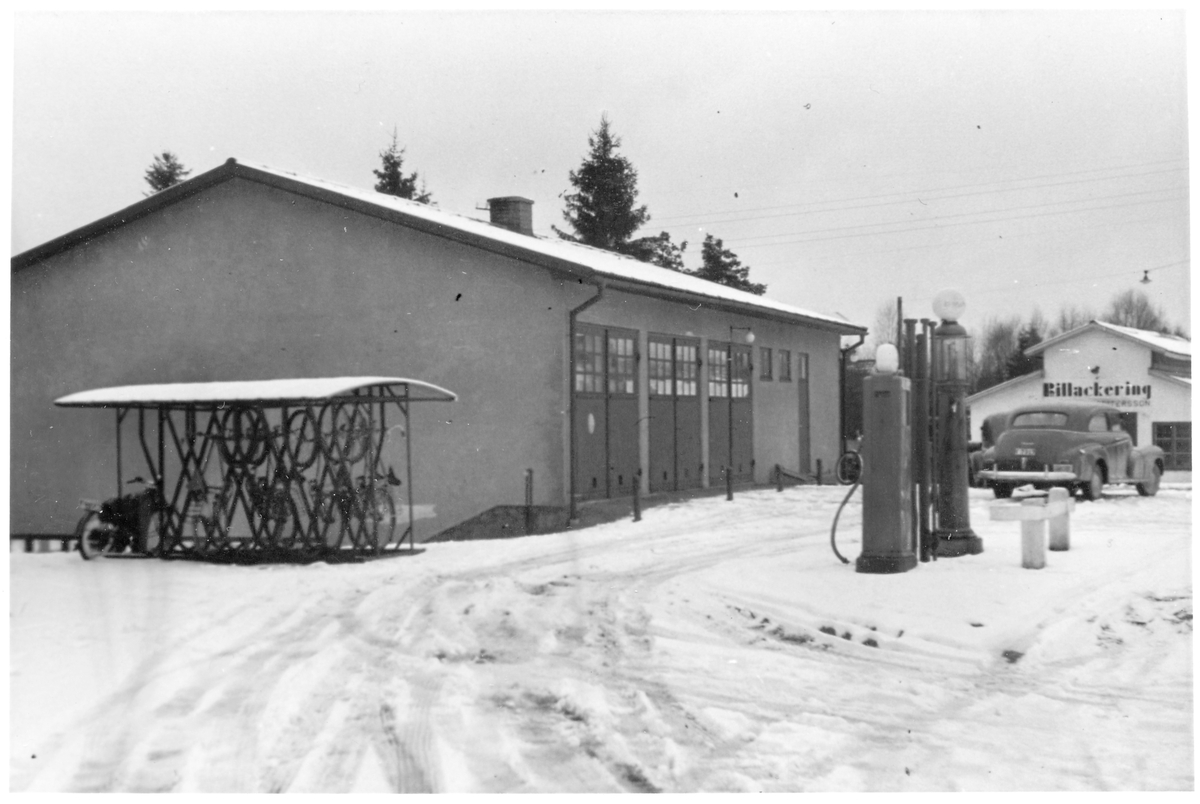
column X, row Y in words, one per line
column 246, row 272
column 1148, row 375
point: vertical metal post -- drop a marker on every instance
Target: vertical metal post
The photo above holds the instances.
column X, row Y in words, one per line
column 921, row 440
column 900, row 329
column 637, row 496
column 729, row 386
column 120, row 480
column 412, row 534
column 778, row 478
column 909, row 370
column 820, row 481
column 529, row 501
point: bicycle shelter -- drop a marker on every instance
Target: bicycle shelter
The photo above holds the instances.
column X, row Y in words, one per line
column 273, row 468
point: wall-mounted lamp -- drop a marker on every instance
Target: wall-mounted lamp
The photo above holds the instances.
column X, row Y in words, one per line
column 749, row 336
column 1145, row 280
column 1094, row 369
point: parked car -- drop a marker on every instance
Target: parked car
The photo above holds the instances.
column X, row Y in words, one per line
column 991, row 429
column 1077, row 445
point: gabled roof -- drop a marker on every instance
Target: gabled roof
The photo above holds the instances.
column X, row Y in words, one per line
column 1006, row 385
column 622, row 273
column 1156, row 341
column 269, row 393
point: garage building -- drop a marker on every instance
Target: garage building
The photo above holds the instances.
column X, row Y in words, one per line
column 1148, row 375
column 248, row 273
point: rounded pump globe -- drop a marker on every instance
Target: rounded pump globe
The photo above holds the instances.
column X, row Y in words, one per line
column 887, row 359
column 949, row 305
column 749, row 336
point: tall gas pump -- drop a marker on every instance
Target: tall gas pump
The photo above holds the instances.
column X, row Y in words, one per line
column 889, row 540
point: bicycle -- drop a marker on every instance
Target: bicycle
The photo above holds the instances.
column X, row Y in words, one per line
column 119, row 523
column 206, row 519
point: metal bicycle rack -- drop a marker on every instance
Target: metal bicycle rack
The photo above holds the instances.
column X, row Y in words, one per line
column 286, row 468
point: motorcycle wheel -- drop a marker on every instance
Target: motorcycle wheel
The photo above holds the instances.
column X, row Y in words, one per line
column 96, row 539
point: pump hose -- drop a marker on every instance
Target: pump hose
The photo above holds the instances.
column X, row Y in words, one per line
column 849, row 494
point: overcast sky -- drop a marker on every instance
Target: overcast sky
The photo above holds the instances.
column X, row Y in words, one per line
column 1025, row 158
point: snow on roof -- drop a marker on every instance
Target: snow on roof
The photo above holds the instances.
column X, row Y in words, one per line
column 217, row 394
column 1157, row 341
column 615, row 266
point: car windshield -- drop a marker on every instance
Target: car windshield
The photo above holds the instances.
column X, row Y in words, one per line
column 1040, row 418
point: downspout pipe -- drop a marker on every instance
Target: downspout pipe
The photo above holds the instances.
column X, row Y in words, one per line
column 574, row 514
column 842, row 397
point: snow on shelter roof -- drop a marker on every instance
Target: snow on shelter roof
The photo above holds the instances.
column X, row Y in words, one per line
column 260, row 392
column 633, row 275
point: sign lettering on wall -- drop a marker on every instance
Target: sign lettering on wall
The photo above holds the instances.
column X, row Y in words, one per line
column 1121, row 395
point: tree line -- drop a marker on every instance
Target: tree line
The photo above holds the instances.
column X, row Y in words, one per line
column 601, row 211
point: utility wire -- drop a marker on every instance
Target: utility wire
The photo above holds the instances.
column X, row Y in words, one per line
column 908, row 198
column 741, row 244
column 950, row 243
column 952, row 187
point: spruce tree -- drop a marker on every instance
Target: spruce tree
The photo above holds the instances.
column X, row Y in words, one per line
column 722, row 266
column 392, row 180
column 166, row 171
column 602, row 210
column 660, row 251
column 1019, row 363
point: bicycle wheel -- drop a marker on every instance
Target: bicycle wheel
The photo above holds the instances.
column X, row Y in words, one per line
column 385, row 514
column 150, row 541
column 244, row 436
column 96, row 539
column 849, row 468
column 351, row 433
column 303, row 443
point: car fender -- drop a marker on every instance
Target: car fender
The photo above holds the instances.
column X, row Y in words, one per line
column 1092, row 456
column 1143, row 460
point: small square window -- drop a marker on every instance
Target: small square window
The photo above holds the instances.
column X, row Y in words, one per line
column 785, row 365
column 764, row 360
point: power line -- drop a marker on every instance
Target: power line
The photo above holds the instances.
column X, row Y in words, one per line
column 741, row 244
column 907, row 199
column 912, row 193
column 950, row 243
column 953, row 187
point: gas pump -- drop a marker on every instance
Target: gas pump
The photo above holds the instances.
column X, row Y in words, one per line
column 889, row 541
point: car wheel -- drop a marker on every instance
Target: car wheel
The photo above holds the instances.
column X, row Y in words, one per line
column 1094, row 490
column 1002, row 491
column 1150, row 487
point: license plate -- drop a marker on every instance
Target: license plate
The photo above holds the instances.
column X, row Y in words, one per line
column 1030, row 451
column 89, row 505
column 1063, row 467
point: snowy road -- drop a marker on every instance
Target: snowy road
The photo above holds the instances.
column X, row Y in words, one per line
column 712, row 646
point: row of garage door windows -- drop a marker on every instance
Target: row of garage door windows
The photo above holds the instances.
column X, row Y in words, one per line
column 673, row 365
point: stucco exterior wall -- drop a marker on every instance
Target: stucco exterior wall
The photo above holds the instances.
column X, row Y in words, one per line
column 1123, row 379
column 244, row 281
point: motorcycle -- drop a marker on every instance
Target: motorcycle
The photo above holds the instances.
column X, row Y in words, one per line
column 120, row 523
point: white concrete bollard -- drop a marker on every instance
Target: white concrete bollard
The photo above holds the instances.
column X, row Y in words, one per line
column 1032, row 513
column 1033, row 538
column 1060, row 526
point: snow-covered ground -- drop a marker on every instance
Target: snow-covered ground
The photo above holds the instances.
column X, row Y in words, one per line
column 713, row 646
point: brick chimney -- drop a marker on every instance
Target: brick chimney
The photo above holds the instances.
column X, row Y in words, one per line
column 512, row 212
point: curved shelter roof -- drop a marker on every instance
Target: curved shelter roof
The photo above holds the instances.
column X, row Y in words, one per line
column 264, row 393
column 624, row 273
